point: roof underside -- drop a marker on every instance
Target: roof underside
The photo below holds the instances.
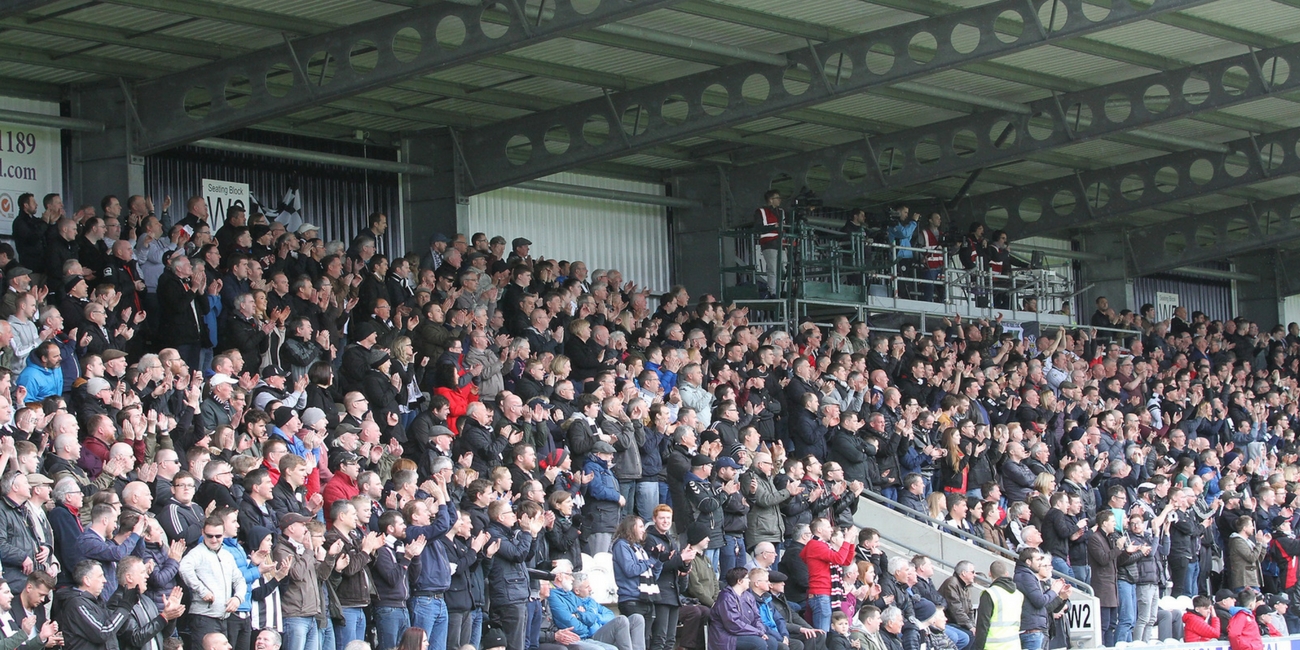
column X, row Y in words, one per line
column 84, row 41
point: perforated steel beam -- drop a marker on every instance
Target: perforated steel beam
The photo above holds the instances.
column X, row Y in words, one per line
column 933, row 151
column 1252, row 227
column 625, row 122
column 234, row 92
column 1090, row 198
column 15, row 7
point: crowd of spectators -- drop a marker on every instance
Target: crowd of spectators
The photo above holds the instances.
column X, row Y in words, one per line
column 216, row 437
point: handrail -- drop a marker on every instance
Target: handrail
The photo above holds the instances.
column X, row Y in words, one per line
column 977, row 541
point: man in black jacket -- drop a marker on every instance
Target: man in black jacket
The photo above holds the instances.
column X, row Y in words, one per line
column 254, row 508
column 183, row 308
column 508, row 582
column 86, row 623
column 29, row 233
column 145, row 627
column 289, row 495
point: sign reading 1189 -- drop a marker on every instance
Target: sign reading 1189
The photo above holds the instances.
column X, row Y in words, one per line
column 17, row 142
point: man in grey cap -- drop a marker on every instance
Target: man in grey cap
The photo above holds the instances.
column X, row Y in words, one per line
column 519, row 250
column 432, row 258
column 18, row 281
column 603, row 508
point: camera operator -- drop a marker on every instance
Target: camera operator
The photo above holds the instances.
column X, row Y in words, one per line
column 1000, row 264
column 932, row 238
column 770, row 219
column 900, row 234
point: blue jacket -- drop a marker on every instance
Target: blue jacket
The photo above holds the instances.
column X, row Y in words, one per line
column 210, row 321
column 601, row 510
column 628, row 569
column 108, row 554
column 771, row 616
column 434, row 570
column 564, row 609
column 251, row 573
column 901, row 235
column 66, row 531
column 40, row 382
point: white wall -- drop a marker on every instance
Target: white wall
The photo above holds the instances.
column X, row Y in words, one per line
column 1290, row 310
column 630, row 237
column 26, row 168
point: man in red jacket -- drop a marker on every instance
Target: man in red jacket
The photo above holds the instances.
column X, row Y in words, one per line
column 827, row 547
column 1200, row 623
column 1243, row 631
column 343, row 485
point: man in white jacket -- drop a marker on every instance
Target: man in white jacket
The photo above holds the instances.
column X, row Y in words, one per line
column 213, row 576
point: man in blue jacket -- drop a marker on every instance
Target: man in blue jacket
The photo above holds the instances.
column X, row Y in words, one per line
column 43, row 376
column 432, row 577
column 573, row 607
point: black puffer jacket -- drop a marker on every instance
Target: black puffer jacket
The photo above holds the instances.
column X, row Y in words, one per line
column 1146, row 570
column 509, row 574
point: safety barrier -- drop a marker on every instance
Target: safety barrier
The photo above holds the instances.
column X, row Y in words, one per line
column 917, row 531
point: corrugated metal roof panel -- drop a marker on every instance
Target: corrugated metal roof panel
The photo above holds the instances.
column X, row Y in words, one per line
column 42, row 73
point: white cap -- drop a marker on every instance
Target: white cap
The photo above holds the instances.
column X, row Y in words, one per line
column 221, row 378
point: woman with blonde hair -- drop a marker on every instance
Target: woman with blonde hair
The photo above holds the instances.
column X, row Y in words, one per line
column 409, row 397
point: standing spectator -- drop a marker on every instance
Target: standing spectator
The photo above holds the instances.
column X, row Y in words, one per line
column 18, row 551
column 147, row 627
column 300, row 592
column 184, row 306
column 353, row 582
column 765, row 521
column 636, row 573
column 218, row 586
column 509, row 575
column 828, row 548
column 84, row 620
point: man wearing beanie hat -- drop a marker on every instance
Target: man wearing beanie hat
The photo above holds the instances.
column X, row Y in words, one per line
column 702, row 581
column 356, row 357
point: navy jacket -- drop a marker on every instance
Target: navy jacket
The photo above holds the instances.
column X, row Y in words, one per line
column 434, row 571
column 508, row 578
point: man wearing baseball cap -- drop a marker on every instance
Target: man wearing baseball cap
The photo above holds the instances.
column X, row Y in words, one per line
column 300, row 591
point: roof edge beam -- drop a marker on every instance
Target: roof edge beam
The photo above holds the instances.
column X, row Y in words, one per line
column 1091, row 198
column 234, row 92
column 632, row 120
column 1013, row 131
column 1255, row 226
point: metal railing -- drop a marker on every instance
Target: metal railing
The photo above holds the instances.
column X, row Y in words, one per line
column 811, row 253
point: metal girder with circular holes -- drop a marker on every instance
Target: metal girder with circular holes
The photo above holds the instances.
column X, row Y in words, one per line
column 621, row 123
column 1088, row 198
column 1215, row 235
column 845, row 172
column 312, row 70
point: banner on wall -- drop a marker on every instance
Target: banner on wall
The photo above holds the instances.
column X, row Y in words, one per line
column 31, row 159
column 220, row 195
column 1165, row 304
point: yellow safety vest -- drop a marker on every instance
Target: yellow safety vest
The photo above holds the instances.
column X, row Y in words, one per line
column 1004, row 626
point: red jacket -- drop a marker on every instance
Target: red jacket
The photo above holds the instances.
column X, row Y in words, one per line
column 1243, row 631
column 819, row 557
column 1197, row 629
column 340, row 486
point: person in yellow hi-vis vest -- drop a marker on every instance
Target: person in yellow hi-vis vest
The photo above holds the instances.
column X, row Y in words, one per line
column 997, row 625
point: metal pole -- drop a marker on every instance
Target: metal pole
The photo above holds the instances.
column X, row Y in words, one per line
column 602, row 193
column 56, row 121
column 235, row 146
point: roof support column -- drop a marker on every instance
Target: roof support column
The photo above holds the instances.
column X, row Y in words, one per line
column 1109, row 278
column 431, row 204
column 1259, row 301
column 103, row 162
column 695, row 231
